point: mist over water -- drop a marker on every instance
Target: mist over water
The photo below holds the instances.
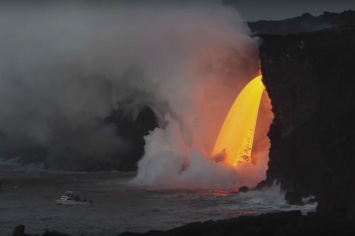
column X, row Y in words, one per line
column 65, row 67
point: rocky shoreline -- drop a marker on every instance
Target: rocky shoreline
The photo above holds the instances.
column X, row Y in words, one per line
column 309, row 78
column 279, row 224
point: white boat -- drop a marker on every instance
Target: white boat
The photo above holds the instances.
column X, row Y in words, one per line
column 68, row 198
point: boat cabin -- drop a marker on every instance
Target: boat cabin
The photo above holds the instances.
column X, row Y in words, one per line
column 68, row 195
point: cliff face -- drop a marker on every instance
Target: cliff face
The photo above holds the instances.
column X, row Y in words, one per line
column 310, row 80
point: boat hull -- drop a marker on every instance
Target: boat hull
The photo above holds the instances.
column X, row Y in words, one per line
column 72, row 202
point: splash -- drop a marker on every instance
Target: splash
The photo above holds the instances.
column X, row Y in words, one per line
column 170, row 163
column 235, row 140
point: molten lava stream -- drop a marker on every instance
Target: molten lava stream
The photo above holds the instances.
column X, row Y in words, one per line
column 235, row 140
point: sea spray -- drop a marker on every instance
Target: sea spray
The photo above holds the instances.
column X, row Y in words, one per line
column 61, row 77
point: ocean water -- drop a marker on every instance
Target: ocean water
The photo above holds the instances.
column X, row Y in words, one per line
column 28, row 197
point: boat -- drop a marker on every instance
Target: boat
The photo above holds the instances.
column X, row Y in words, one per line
column 68, row 198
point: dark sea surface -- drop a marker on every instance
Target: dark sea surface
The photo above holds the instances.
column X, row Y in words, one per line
column 28, row 197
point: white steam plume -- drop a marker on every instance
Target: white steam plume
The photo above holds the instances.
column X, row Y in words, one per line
column 221, row 58
column 65, row 67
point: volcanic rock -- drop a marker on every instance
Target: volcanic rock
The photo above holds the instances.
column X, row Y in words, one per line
column 310, row 80
column 279, row 223
column 243, row 189
column 20, row 231
column 300, row 24
column 282, row 223
column 294, row 198
column 304, row 23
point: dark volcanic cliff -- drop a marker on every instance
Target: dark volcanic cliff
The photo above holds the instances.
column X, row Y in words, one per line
column 310, row 80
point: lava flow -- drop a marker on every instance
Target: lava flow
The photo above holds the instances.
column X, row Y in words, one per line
column 235, row 140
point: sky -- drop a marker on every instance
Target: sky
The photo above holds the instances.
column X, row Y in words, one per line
column 250, row 10
column 253, row 10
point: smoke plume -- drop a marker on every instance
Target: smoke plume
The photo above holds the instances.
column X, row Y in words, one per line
column 65, row 67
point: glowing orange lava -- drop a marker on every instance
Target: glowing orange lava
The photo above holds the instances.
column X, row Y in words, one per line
column 235, row 140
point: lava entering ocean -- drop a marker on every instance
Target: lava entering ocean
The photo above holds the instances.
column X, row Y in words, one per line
column 235, row 140
column 169, row 162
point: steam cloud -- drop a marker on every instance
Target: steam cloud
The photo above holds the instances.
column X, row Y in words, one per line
column 65, row 67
